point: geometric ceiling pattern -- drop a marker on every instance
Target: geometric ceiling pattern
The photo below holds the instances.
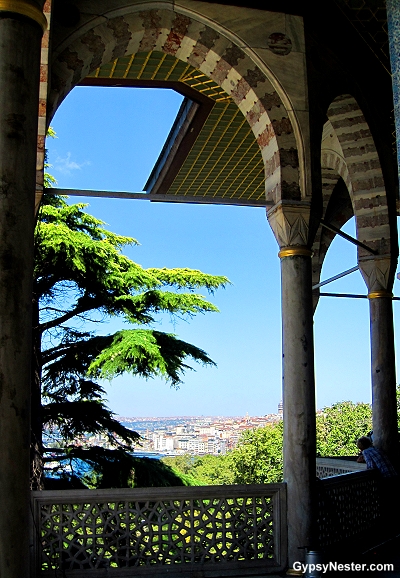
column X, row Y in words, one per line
column 224, row 163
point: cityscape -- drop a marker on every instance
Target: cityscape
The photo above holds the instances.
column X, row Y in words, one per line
column 194, row 435
column 173, row 436
column 178, row 435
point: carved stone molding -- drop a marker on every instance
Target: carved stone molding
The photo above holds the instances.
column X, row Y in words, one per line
column 376, row 273
column 290, row 223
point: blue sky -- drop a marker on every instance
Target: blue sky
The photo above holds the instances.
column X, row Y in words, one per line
column 109, row 139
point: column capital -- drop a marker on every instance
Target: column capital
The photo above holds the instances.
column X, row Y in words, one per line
column 25, row 8
column 377, row 274
column 289, row 221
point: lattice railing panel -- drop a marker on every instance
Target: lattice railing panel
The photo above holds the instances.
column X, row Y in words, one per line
column 348, row 505
column 84, row 530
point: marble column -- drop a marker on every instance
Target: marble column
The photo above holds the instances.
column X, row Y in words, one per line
column 393, row 16
column 383, row 373
column 378, row 276
column 21, row 28
column 298, row 396
column 290, row 226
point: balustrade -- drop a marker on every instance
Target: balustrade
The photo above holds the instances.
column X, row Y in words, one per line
column 146, row 531
column 192, row 531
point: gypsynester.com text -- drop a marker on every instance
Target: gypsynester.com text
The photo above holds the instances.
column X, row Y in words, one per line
column 339, row 567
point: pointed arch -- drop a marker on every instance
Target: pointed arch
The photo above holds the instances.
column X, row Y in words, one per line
column 366, row 184
column 135, row 29
column 349, row 151
column 337, row 206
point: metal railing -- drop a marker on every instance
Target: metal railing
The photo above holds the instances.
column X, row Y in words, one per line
column 176, row 531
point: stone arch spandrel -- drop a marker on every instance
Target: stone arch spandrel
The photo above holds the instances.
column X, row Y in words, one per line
column 198, row 44
column 356, row 159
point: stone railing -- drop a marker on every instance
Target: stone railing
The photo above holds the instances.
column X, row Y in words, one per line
column 349, row 506
column 328, row 467
column 190, row 531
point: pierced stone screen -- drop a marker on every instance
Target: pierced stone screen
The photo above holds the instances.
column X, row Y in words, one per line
column 195, row 526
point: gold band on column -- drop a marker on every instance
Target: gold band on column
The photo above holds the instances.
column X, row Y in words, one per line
column 379, row 294
column 294, row 252
column 26, row 9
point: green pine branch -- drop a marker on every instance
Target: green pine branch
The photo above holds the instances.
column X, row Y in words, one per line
column 82, row 274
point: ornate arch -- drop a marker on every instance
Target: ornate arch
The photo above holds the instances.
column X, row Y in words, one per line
column 348, row 150
column 367, row 185
column 207, row 49
column 337, row 207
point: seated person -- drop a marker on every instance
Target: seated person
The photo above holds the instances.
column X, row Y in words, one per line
column 375, row 459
